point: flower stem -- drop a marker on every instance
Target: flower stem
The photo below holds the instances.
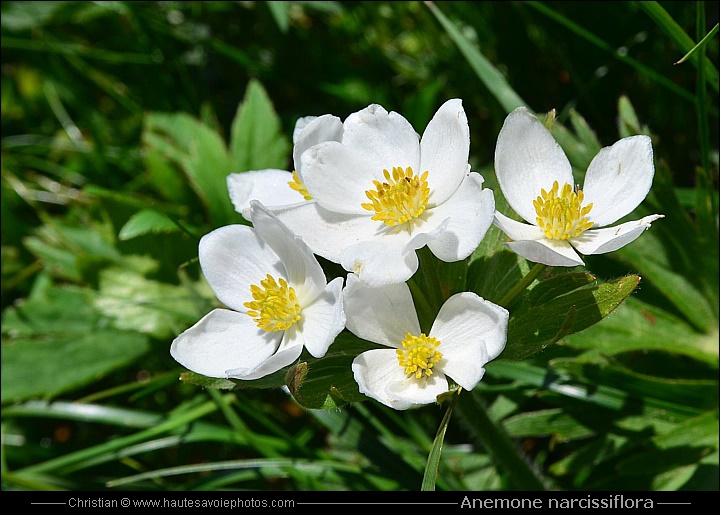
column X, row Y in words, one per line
column 522, row 284
column 498, row 444
column 433, row 461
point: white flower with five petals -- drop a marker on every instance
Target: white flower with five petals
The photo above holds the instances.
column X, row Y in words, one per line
column 536, row 178
column 382, row 192
column 467, row 333
column 273, row 187
column 279, row 300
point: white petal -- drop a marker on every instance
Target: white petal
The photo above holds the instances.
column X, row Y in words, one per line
column 517, row 231
column 600, row 241
column 418, row 391
column 618, row 179
column 300, row 124
column 444, row 150
column 471, row 331
column 234, row 257
column 337, row 176
column 387, row 138
column 470, row 210
column 527, row 159
column 380, row 315
column 380, row 376
column 268, row 186
column 324, row 319
column 327, row 233
column 303, row 271
column 312, row 130
column 223, row 340
column 548, row 252
column 385, row 260
column 287, row 352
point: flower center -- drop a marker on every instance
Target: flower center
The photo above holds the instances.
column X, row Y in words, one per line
column 275, row 307
column 298, row 186
column 560, row 215
column 419, row 355
column 402, row 198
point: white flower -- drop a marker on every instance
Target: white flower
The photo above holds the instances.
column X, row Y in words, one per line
column 279, row 302
column 467, row 333
column 536, row 178
column 382, row 192
column 273, row 187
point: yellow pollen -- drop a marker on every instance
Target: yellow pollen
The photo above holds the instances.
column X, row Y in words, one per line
column 561, row 216
column 275, row 307
column 419, row 355
column 298, row 186
column 401, row 198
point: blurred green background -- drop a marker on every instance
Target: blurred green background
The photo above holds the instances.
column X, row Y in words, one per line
column 120, row 121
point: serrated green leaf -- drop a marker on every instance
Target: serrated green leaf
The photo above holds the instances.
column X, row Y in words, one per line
column 534, row 327
column 135, row 303
column 147, row 221
column 256, row 139
column 558, row 285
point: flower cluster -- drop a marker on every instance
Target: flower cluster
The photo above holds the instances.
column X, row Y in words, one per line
column 367, row 193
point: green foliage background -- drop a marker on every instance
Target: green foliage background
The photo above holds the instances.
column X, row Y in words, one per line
column 120, row 121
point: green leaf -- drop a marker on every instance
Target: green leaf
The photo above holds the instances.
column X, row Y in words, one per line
column 256, row 140
column 637, row 326
column 147, row 221
column 628, row 122
column 328, row 382
column 281, row 14
column 56, row 364
column 207, row 382
column 57, row 310
column 559, row 285
column 433, row 461
column 534, row 327
column 200, row 153
column 682, row 293
column 551, row 422
column 701, row 394
column 135, row 303
column 585, row 134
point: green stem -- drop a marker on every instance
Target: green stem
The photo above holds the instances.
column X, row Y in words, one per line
column 520, row 287
column 433, row 461
column 496, row 441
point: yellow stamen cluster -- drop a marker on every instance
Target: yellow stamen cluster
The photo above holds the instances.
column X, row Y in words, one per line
column 561, row 215
column 298, row 186
column 419, row 355
column 275, row 307
column 401, row 199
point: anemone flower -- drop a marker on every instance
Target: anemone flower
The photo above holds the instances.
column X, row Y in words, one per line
column 273, row 187
column 467, row 333
column 278, row 298
column 536, row 178
column 382, row 192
